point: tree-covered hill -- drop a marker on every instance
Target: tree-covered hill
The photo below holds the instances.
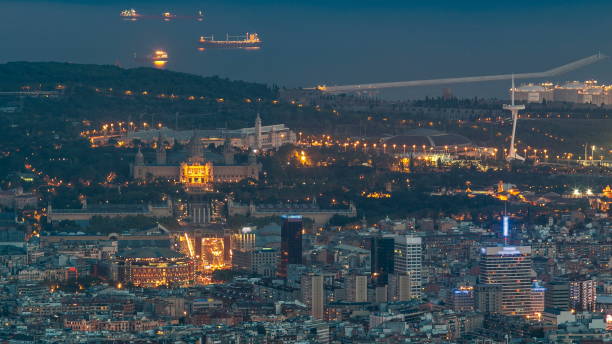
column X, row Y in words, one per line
column 47, row 75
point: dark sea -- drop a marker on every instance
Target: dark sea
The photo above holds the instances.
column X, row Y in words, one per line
column 322, row 42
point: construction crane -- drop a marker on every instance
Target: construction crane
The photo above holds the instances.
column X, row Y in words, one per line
column 549, row 73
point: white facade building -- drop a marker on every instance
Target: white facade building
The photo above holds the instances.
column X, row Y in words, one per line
column 408, row 253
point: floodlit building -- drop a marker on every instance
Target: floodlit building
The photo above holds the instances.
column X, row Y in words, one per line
column 196, row 172
column 154, row 266
column 531, row 93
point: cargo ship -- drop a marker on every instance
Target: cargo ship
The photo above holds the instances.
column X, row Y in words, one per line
column 248, row 40
column 129, row 14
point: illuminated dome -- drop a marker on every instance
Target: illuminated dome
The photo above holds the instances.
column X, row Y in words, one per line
column 428, row 137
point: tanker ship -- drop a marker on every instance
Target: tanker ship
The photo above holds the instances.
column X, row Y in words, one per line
column 248, row 40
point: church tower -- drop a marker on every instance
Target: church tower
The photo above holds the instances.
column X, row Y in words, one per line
column 160, row 152
column 258, row 132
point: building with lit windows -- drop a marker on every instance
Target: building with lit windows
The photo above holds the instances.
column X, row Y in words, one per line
column 407, row 260
column 154, row 267
column 582, row 293
column 511, row 268
column 462, row 299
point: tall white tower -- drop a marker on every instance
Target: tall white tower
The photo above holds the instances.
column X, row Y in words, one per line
column 514, row 109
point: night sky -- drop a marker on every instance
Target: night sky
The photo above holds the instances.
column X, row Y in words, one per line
column 314, row 42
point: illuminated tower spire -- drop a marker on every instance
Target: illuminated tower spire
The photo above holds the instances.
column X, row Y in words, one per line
column 506, row 227
column 514, row 109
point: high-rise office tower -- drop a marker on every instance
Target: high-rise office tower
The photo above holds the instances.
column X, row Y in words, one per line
column 291, row 243
column 509, row 267
column 381, row 259
column 313, row 294
column 407, row 261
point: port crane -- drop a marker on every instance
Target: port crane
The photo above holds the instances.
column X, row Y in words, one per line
column 549, row 73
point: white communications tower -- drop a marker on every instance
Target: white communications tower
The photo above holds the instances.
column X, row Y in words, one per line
column 514, row 109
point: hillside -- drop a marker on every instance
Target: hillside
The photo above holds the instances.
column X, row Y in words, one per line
column 47, row 75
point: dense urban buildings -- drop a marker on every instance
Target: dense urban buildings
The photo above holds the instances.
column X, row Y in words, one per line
column 144, row 205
